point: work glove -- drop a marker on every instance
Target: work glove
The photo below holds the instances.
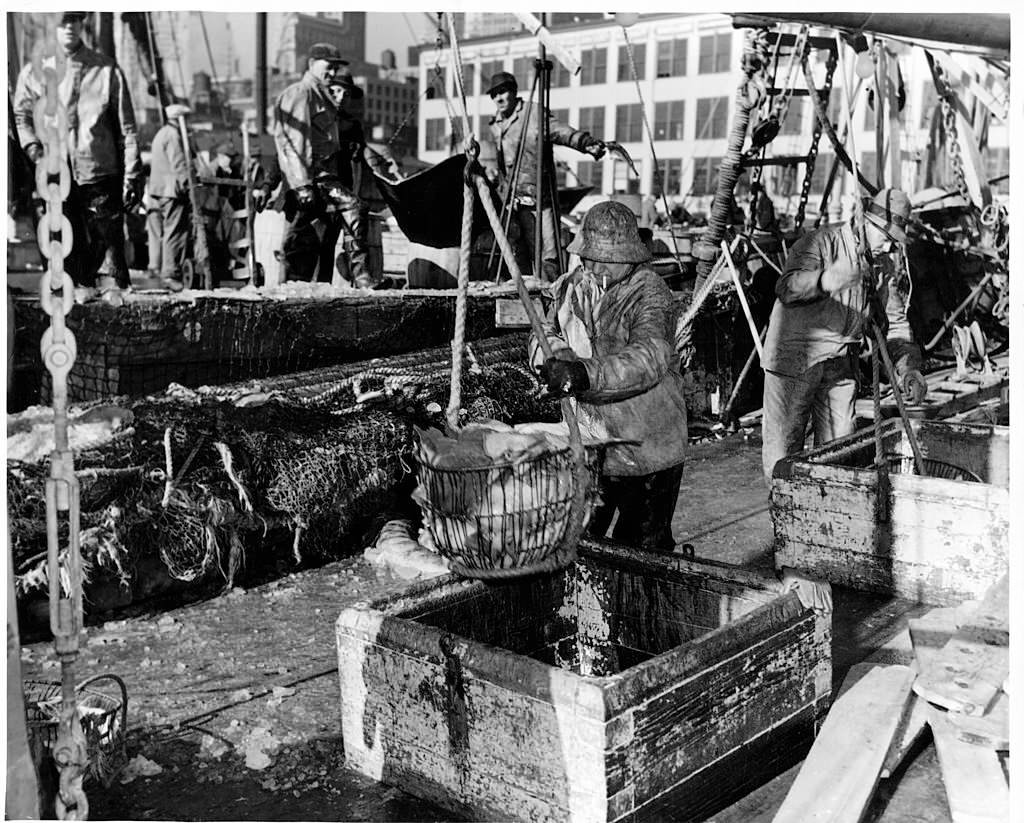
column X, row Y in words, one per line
column 564, row 377
column 260, row 197
column 132, row 193
column 813, row 594
column 913, row 387
column 34, row 152
column 305, row 198
column 596, row 149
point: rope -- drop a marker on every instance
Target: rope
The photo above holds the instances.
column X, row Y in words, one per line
column 650, row 141
column 459, row 337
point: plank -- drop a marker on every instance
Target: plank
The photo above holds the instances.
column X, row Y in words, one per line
column 970, row 671
column 976, row 788
column 839, row 776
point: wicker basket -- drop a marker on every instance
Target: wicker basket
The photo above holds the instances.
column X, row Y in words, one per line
column 104, row 722
column 904, row 464
column 508, row 518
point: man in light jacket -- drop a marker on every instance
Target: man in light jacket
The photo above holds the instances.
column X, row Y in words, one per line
column 106, row 171
column 507, row 127
column 611, row 327
column 814, row 336
column 168, row 191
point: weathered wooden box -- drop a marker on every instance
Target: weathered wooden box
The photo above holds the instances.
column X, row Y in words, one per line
column 945, row 540
column 630, row 686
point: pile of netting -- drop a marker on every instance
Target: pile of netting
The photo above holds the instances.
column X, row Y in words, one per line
column 204, row 477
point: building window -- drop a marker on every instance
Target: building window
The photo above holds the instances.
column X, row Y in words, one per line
column 672, row 58
column 560, row 76
column 715, row 53
column 522, row 68
column 623, row 179
column 668, row 120
column 560, row 115
column 592, row 121
column 629, row 123
column 595, row 66
column 488, row 69
column 639, row 60
column 590, row 173
column 437, row 139
column 671, row 177
column 822, row 166
column 467, row 78
column 794, row 122
column 437, row 82
column 712, row 117
column 997, row 164
column 705, row 173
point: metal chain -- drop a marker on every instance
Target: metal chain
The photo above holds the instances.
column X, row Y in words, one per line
column 812, row 154
column 56, row 293
column 949, row 122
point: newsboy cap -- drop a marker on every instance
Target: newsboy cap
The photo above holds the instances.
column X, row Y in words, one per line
column 500, row 80
column 325, row 51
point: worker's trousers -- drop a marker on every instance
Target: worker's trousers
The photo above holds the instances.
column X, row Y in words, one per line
column 825, row 393
column 307, row 251
column 96, row 213
column 527, row 219
column 169, row 224
column 645, row 504
column 354, row 266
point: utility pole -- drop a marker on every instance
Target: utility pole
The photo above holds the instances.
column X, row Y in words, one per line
column 105, row 34
column 260, row 90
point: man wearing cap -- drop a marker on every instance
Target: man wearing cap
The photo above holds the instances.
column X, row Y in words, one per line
column 169, row 219
column 106, row 170
column 822, row 313
column 507, row 130
column 308, row 139
column 610, row 327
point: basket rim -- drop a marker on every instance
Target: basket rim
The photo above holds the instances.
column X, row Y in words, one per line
column 507, row 464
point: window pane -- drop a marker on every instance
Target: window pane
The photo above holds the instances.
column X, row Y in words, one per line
column 793, row 124
column 592, row 120
column 705, row 170
column 522, row 68
column 560, row 76
column 628, row 123
column 561, row 115
column 436, row 139
column 822, row 166
column 595, row 65
column 706, row 61
column 723, row 52
column 639, row 60
column 668, row 120
column 590, row 173
column 712, row 117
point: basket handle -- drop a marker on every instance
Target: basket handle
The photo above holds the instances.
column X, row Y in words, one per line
column 89, row 681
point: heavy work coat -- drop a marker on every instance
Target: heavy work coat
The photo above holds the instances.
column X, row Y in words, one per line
column 104, row 143
column 623, row 335
column 168, row 167
column 306, row 132
column 810, row 325
column 507, row 132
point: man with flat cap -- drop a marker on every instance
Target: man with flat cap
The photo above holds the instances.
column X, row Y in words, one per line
column 832, row 287
column 507, row 130
column 106, row 171
column 307, row 132
column 169, row 217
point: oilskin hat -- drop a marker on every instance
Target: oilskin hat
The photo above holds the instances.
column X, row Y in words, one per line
column 325, row 51
column 609, row 234
column 890, row 211
column 500, row 80
column 344, row 79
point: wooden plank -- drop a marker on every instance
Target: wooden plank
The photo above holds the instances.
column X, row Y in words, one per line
column 975, row 784
column 842, row 769
column 970, row 671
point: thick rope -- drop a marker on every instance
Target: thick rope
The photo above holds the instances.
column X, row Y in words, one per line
column 461, row 298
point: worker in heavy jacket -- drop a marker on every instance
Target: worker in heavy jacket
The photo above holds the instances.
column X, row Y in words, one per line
column 106, row 171
column 611, row 327
column 170, row 214
column 507, row 127
column 814, row 336
column 309, row 153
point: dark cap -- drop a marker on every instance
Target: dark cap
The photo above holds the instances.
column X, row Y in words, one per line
column 227, row 147
column 73, row 16
column 344, row 79
column 325, row 51
column 500, row 80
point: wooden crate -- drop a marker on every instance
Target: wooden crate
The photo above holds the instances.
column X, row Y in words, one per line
column 630, row 686
column 945, row 540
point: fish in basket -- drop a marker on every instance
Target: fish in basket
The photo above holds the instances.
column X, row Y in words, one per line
column 496, row 499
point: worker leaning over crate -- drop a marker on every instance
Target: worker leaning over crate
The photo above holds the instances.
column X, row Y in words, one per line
column 814, row 335
column 611, row 327
column 106, row 171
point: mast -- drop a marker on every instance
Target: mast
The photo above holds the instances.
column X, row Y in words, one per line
column 260, row 87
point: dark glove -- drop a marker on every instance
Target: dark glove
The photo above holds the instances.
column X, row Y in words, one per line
column 305, row 197
column 260, row 198
column 34, row 152
column 564, row 377
column 132, row 193
column 596, row 149
column 913, row 387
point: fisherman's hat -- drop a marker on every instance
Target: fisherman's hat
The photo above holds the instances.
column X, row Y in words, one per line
column 325, row 51
column 344, row 79
column 890, row 211
column 609, row 235
column 500, row 80
column 67, row 16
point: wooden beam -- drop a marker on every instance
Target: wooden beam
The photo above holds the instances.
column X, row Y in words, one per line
column 781, row 160
column 839, row 776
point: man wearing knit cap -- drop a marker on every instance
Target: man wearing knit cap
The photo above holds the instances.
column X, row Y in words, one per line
column 827, row 296
column 306, row 132
column 106, row 170
column 610, row 327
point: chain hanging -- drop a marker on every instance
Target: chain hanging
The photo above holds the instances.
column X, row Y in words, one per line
column 56, row 293
column 825, row 93
column 949, row 125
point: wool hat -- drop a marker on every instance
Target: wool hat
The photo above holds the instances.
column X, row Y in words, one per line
column 501, row 79
column 344, row 79
column 609, row 234
column 325, row 51
column 890, row 211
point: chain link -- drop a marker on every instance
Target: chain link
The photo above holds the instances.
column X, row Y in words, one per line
column 812, row 154
column 952, row 137
column 56, row 292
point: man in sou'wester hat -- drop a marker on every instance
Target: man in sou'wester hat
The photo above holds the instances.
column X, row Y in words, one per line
column 814, row 336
